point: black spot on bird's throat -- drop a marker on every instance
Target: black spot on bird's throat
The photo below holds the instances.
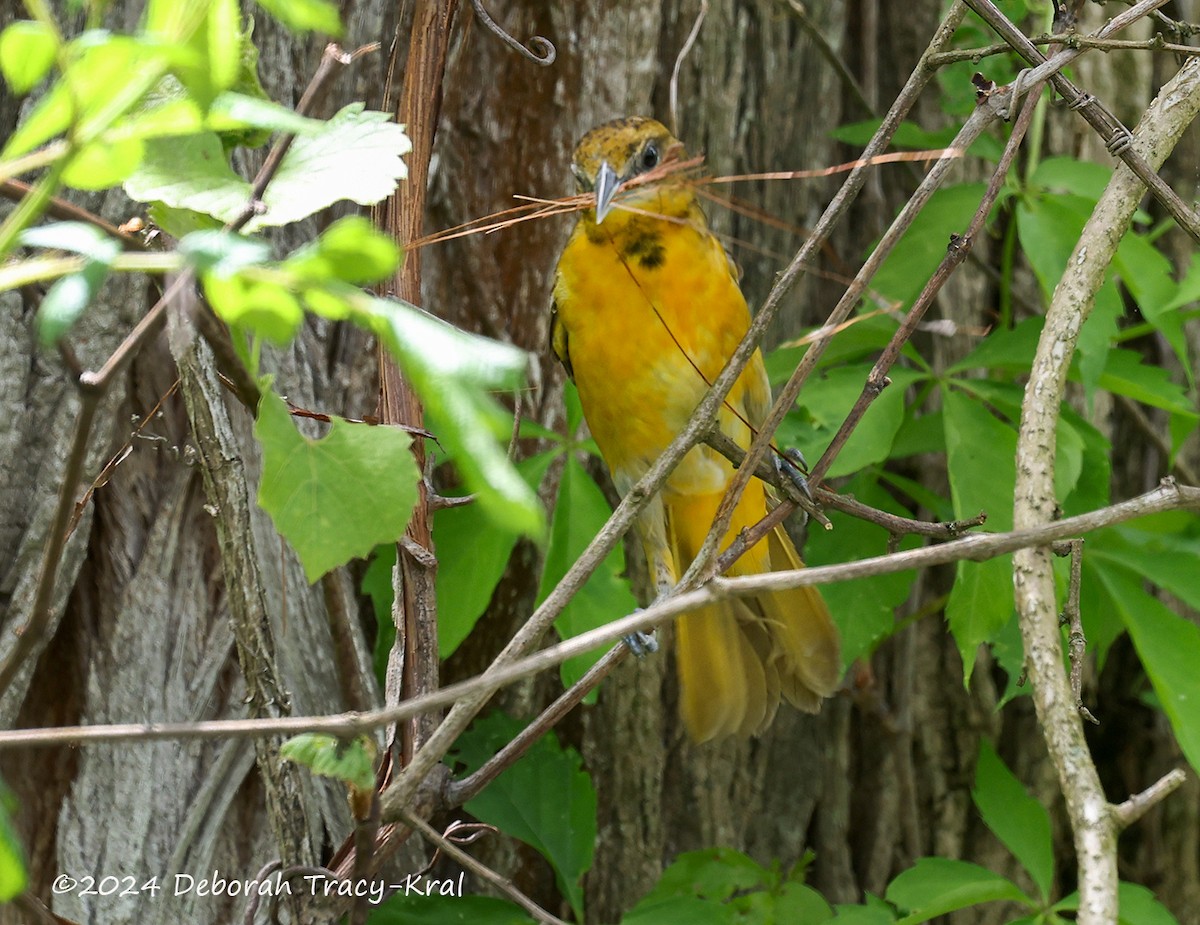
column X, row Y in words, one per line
column 647, row 249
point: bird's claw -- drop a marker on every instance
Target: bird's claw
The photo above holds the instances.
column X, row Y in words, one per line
column 641, row 644
column 791, row 466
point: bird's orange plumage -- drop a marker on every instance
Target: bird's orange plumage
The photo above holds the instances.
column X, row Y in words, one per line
column 647, row 312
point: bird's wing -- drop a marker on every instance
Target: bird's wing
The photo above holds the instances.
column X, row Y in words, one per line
column 558, row 340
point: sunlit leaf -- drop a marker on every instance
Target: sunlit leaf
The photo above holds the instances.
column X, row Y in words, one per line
column 27, row 51
column 935, row 886
column 352, row 762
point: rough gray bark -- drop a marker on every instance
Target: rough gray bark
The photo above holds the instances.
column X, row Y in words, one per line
column 881, row 777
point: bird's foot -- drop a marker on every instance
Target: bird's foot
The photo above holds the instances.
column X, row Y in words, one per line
column 791, row 466
column 641, row 644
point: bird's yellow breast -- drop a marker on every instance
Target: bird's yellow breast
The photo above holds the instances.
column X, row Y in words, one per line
column 651, row 314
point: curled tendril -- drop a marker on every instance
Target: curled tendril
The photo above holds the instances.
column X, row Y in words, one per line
column 539, row 49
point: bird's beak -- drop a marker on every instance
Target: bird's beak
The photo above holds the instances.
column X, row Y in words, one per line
column 607, row 184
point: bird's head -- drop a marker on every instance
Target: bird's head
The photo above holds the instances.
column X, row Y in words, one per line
column 612, row 154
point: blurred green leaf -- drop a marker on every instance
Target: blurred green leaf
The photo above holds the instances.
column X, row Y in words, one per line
column 546, row 799
column 266, row 308
column 223, row 253
column 336, row 498
column 352, row 762
column 190, row 173
column 27, row 51
column 14, row 878
column 454, row 371
column 935, row 886
column 1016, row 818
column 948, row 212
column 351, row 250
column 65, row 301
column 823, row 406
column 1126, row 373
column 305, row 15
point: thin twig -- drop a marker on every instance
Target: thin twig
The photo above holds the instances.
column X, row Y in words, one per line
column 460, row 791
column 849, row 81
column 539, row 49
column 976, row 547
column 15, row 191
column 1139, row 804
column 480, row 870
column 679, row 59
column 1107, row 125
column 1069, row 39
column 1073, row 620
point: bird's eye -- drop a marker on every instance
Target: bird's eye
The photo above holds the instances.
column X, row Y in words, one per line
column 650, row 157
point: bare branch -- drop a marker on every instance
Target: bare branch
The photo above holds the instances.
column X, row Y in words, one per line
column 1139, row 804
column 975, row 547
column 1071, row 617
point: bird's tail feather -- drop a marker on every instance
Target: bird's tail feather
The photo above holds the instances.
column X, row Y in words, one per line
column 737, row 658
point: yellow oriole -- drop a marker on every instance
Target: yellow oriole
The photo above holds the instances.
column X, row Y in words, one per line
column 647, row 311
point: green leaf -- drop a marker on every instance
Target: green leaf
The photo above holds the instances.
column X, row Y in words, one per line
column 413, row 908
column 1083, row 179
column 473, row 550
column 76, row 237
column 699, row 886
column 305, row 15
column 1138, row 906
column 1016, row 818
column 191, row 173
column 1007, row 349
column 579, row 513
column 546, row 799
column 223, row 253
column 356, row 156
column 13, row 875
column 266, row 308
column 980, row 452
column 232, row 111
column 1169, row 647
column 336, row 498
column 864, row 610
column 453, row 371
column 824, row 404
column 102, row 69
column 351, row 250
column 223, row 35
column 1125, row 373
column 923, row 246
column 352, row 762
column 65, row 301
column 862, row 915
column 935, row 886
column 27, row 51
